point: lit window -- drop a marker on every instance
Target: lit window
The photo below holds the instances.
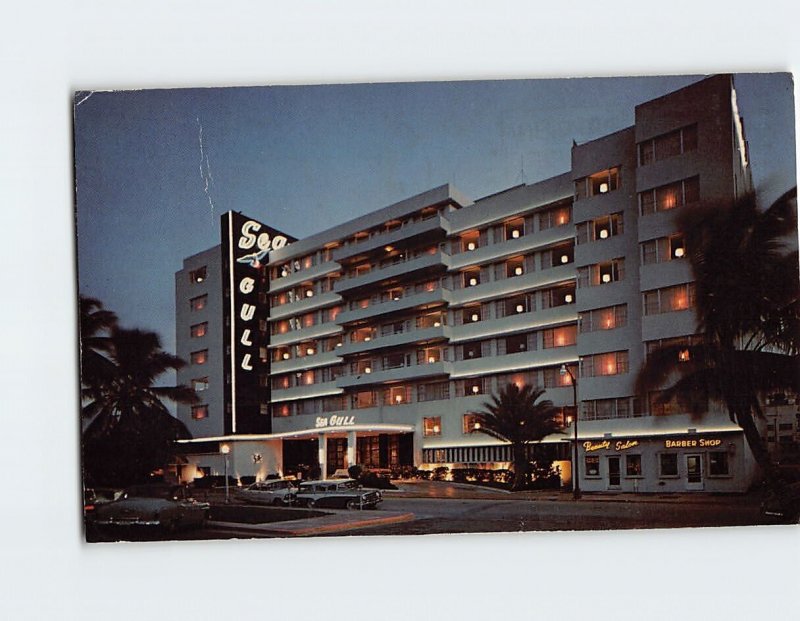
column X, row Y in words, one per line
column 515, row 229
column 599, row 183
column 199, row 412
column 516, row 343
column 198, row 275
column 198, row 303
column 633, row 465
column 592, row 465
column 432, row 426
column 200, row 384
column 471, row 422
column 199, row 330
column 472, row 278
column 199, row 357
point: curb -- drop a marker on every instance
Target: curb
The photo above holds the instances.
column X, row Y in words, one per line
column 306, row 527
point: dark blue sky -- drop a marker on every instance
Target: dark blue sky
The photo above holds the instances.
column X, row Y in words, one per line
column 303, row 158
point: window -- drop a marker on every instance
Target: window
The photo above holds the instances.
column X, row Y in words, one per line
column 435, row 391
column 663, row 249
column 606, row 318
column 604, row 409
column 669, row 299
column 432, row 426
column 558, row 296
column 429, row 355
column 599, row 183
column 282, row 409
column 364, row 399
column 560, row 255
column 198, row 303
column 198, row 330
column 199, row 412
column 662, row 408
column 668, row 464
column 668, row 145
column 471, row 314
column 470, row 241
column 633, row 465
column 198, row 275
column 473, row 387
column 514, row 229
column 600, row 228
column 553, row 379
column 591, row 465
column 516, row 343
column 558, row 216
column 513, row 306
column 200, row 384
column 471, row 278
column 515, row 267
column 718, row 463
column 598, row 365
column 397, row 395
column 199, row 357
column 669, row 196
column 470, row 423
column 472, row 350
column 601, row 273
column 559, row 337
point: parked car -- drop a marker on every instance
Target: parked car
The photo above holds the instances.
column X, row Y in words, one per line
column 96, row 496
column 274, row 492
column 783, row 506
column 337, row 494
column 156, row 505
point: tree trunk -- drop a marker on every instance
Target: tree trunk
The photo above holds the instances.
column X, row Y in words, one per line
column 756, row 444
column 520, row 467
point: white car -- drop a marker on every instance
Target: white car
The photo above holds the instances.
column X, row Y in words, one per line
column 271, row 492
column 337, row 494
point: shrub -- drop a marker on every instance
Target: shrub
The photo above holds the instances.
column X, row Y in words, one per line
column 440, row 473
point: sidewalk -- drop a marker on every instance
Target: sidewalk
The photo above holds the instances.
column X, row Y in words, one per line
column 467, row 491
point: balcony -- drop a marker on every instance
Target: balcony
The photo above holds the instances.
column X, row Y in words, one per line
column 413, row 267
column 534, row 359
column 432, row 228
column 295, row 278
column 423, row 335
column 304, row 392
column 399, row 374
column 424, row 299
column 303, row 305
column 305, row 334
column 513, row 285
column 522, row 245
column 514, row 323
column 302, row 363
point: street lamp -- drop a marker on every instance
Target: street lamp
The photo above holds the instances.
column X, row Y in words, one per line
column 576, row 487
column 226, row 448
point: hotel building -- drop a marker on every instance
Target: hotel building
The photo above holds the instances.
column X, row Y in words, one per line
column 374, row 341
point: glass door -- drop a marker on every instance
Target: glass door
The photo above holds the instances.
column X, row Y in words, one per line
column 613, row 471
column 694, row 472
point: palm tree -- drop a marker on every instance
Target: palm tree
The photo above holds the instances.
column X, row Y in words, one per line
column 516, row 416
column 95, row 326
column 130, row 430
column 748, row 310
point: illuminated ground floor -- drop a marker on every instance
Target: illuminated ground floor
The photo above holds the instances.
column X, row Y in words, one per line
column 648, row 455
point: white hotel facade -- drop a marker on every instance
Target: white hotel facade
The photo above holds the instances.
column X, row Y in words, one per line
column 373, row 341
